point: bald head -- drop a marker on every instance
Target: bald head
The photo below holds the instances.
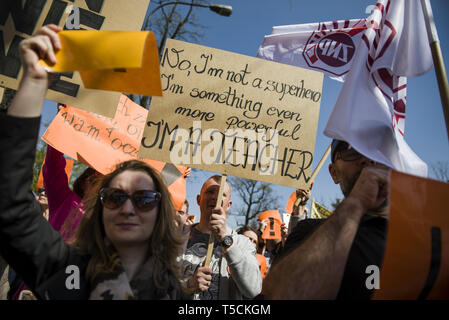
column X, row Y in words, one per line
column 207, row 199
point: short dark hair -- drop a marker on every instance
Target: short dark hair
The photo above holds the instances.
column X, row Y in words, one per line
column 78, row 185
column 336, row 146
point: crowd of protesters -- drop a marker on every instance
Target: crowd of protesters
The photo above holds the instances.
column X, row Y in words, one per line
column 123, row 235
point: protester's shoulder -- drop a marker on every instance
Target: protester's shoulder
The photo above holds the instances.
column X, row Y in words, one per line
column 304, row 227
column 300, row 232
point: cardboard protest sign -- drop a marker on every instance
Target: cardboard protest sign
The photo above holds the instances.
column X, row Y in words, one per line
column 273, row 229
column 68, row 171
column 21, row 19
column 416, row 263
column 102, row 143
column 234, row 114
column 123, row 61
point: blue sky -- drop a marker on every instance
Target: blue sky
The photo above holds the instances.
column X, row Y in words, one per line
column 243, row 32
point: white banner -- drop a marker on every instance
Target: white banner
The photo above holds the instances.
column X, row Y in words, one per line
column 371, row 105
column 324, row 46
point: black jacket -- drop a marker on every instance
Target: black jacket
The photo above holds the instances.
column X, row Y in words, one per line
column 27, row 241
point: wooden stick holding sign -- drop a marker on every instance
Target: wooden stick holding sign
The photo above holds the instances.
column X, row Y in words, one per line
column 317, row 169
column 210, row 246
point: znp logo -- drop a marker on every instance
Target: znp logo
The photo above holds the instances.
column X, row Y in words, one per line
column 331, row 47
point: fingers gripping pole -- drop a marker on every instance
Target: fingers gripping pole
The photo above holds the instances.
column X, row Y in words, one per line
column 210, row 246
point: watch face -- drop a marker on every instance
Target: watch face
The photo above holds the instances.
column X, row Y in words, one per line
column 227, row 241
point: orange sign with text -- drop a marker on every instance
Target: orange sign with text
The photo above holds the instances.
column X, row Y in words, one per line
column 102, row 143
column 416, row 264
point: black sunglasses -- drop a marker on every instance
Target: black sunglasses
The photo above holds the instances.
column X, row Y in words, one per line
column 143, row 200
column 346, row 153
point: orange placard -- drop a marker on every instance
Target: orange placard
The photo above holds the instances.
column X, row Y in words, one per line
column 290, row 203
column 262, row 265
column 416, row 264
column 68, row 171
column 145, row 80
column 273, row 229
column 102, row 142
column 123, row 61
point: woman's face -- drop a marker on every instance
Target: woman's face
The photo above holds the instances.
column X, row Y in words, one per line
column 43, row 198
column 127, row 225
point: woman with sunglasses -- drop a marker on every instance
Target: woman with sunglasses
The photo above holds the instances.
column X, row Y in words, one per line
column 127, row 241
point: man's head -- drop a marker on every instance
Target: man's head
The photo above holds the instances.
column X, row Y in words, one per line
column 184, row 212
column 346, row 165
column 42, row 197
column 207, row 199
column 250, row 233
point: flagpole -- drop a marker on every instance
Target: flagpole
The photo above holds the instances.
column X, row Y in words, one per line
column 438, row 62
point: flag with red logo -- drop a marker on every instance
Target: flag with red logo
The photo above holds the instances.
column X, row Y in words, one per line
column 370, row 109
column 327, row 47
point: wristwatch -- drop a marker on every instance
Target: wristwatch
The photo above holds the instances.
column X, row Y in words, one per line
column 227, row 241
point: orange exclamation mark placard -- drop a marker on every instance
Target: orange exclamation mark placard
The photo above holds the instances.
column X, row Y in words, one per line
column 273, row 229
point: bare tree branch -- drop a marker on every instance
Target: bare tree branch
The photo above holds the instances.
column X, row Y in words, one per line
column 256, row 197
column 174, row 21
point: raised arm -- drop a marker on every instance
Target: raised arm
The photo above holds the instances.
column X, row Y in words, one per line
column 244, row 266
column 314, row 269
column 29, row 244
column 55, row 182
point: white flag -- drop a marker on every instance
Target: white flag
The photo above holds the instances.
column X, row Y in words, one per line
column 324, row 46
column 370, row 109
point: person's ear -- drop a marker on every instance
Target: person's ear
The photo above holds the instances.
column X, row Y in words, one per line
column 229, row 205
column 334, row 173
column 198, row 199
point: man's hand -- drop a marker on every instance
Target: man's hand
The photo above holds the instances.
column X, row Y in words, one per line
column 302, row 196
column 263, row 225
column 218, row 223
column 284, row 233
column 372, row 187
column 42, row 45
column 200, row 281
column 35, row 81
column 190, row 221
